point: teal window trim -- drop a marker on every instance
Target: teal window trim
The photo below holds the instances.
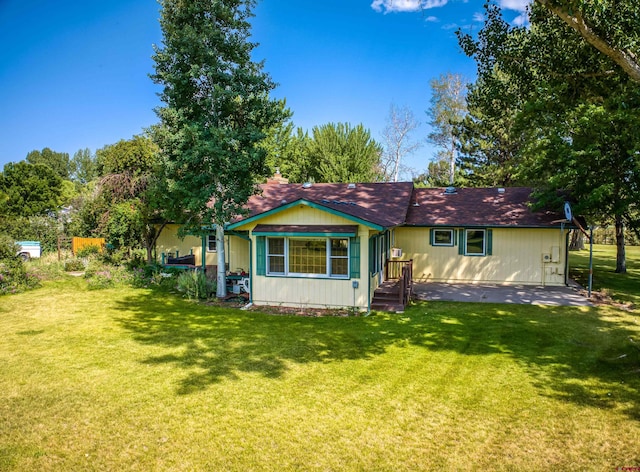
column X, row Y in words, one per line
column 261, row 258
column 487, row 242
column 303, row 235
column 354, row 255
column 433, row 238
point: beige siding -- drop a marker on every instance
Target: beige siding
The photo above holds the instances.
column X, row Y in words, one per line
column 308, row 291
column 517, row 257
column 169, row 242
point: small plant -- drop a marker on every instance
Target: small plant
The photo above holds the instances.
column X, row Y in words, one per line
column 88, row 252
column 195, row 285
column 100, row 280
column 74, row 265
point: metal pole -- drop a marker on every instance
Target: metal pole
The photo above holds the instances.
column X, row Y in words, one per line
column 590, row 259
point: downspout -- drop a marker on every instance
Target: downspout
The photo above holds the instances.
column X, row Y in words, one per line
column 566, row 258
column 368, row 274
column 204, row 253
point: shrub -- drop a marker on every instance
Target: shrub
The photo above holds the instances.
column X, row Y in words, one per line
column 74, row 265
column 13, row 273
column 88, row 251
column 195, row 285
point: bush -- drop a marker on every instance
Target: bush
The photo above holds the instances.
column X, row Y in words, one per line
column 195, row 285
column 88, row 251
column 74, row 265
column 13, row 273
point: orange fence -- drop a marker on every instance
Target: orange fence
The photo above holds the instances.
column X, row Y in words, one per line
column 80, row 243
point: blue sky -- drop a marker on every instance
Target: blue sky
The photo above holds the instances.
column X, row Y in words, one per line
column 74, row 74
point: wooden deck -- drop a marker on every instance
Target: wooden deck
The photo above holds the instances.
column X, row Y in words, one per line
column 395, row 292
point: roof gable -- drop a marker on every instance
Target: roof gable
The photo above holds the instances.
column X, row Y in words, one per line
column 378, row 205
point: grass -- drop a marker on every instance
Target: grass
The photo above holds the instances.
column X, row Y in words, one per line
column 126, row 379
column 621, row 287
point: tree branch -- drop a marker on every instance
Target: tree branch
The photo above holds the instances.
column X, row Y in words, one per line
column 626, row 59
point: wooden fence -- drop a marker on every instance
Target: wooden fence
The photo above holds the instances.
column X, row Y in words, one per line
column 81, row 243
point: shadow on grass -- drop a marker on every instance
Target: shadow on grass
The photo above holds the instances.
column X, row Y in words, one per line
column 587, row 356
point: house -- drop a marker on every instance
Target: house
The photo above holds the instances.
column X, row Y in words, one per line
column 335, row 245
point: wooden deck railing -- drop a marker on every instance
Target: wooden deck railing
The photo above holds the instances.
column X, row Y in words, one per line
column 403, row 272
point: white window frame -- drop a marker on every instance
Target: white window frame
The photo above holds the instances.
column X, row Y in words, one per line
column 484, row 243
column 270, row 255
column 328, row 254
column 212, row 238
column 447, row 230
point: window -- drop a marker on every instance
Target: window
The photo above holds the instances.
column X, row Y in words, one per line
column 339, row 257
column 275, row 256
column 308, row 257
column 442, row 237
column 475, row 242
column 211, row 243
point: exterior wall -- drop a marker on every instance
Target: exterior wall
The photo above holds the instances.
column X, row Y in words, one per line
column 517, row 257
column 237, row 248
column 309, row 291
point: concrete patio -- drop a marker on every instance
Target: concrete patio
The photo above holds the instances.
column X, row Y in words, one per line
column 492, row 293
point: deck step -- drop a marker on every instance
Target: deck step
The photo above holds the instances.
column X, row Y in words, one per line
column 390, row 307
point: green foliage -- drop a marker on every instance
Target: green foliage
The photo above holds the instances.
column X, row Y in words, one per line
column 571, row 117
column 195, row 285
column 58, row 162
column 218, row 110
column 29, row 189
column 610, row 26
column 137, row 156
column 75, row 265
column 447, row 110
column 88, row 252
column 342, row 153
column 83, row 167
column 436, row 175
column 14, row 277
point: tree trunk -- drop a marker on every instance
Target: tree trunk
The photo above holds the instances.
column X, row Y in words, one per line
column 151, row 239
column 221, row 288
column 577, row 241
column 621, row 259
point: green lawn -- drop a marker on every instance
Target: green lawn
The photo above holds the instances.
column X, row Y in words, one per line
column 126, row 379
column 621, row 287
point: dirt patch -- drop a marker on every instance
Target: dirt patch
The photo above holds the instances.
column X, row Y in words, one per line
column 304, row 311
column 603, row 298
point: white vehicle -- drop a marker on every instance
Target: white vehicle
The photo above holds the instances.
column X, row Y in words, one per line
column 28, row 249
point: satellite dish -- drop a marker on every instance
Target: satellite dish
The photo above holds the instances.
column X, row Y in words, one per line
column 568, row 214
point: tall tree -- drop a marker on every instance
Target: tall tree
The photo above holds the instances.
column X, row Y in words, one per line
column 83, row 166
column 447, row 110
column 398, row 143
column 217, row 112
column 339, row 152
column 577, row 116
column 58, row 161
column 29, row 189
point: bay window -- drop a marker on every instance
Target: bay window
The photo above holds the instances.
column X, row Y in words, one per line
column 307, row 256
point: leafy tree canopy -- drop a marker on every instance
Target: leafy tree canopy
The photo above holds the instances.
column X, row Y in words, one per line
column 571, row 116
column 343, row 153
column 57, row 161
column 217, row 109
column 29, row 189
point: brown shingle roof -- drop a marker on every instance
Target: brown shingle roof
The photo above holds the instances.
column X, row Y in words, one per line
column 477, row 207
column 384, row 204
